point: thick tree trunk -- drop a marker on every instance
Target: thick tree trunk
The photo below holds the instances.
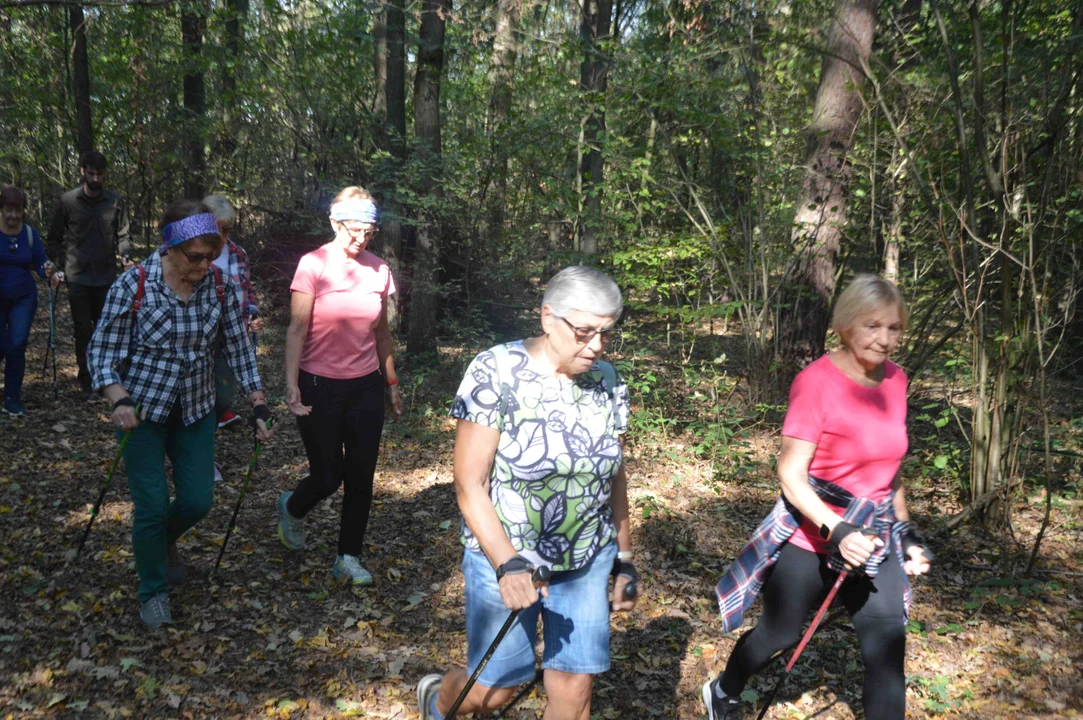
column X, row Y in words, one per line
column 193, row 19
column 84, row 123
column 427, row 127
column 501, row 73
column 595, row 22
column 821, row 204
column 389, row 64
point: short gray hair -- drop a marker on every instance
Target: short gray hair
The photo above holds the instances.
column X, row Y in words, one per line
column 867, row 293
column 223, row 211
column 584, row 289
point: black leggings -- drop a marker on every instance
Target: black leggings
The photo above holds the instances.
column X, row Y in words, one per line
column 798, row 583
column 342, row 439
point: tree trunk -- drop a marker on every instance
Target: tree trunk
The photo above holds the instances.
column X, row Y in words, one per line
column 193, row 19
column 595, row 22
column 237, row 12
column 501, row 73
column 389, row 64
column 821, row 204
column 430, row 67
column 84, row 123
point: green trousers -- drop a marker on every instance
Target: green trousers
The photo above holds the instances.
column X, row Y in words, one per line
column 156, row 520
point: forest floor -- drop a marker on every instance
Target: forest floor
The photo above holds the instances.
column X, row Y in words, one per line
column 273, row 636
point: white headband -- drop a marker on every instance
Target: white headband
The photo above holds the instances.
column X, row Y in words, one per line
column 361, row 210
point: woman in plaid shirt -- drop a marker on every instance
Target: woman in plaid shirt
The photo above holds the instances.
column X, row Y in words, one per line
column 152, row 350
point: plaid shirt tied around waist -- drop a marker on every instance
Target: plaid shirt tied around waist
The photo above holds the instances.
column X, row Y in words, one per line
column 743, row 580
column 167, row 355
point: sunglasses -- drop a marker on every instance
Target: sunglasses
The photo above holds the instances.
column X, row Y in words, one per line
column 197, row 258
column 584, row 335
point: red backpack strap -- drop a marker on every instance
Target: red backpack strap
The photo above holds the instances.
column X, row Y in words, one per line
column 138, row 302
column 219, row 288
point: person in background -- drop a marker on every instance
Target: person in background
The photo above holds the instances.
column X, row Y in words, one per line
column 340, row 371
column 842, row 508
column 88, row 231
column 21, row 254
column 233, row 262
column 153, row 351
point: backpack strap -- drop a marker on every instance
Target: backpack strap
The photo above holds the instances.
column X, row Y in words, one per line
column 138, row 302
column 219, row 288
column 503, row 370
column 609, row 375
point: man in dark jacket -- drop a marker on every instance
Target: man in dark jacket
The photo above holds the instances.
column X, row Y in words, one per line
column 88, row 232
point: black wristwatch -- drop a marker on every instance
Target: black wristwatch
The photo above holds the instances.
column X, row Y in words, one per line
column 825, row 532
column 514, row 566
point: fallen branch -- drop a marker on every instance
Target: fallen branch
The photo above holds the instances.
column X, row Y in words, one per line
column 974, row 507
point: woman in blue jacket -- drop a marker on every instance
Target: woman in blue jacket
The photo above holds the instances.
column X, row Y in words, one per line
column 21, row 254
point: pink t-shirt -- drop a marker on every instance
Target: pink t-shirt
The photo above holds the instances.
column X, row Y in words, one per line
column 349, row 295
column 860, row 432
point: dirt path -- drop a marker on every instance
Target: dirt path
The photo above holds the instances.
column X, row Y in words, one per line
column 272, row 636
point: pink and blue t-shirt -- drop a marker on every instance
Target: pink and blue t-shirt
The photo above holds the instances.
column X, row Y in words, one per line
column 349, row 295
column 859, row 431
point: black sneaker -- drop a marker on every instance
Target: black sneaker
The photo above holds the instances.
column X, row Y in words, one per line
column 719, row 705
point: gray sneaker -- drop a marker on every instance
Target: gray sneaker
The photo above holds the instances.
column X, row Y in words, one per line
column 291, row 530
column 719, row 705
column 427, row 688
column 174, row 564
column 155, row 612
column 348, row 569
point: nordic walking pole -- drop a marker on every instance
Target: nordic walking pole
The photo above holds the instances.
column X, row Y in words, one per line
column 540, row 577
column 631, row 591
column 804, row 641
column 105, row 488
column 244, row 491
column 52, row 331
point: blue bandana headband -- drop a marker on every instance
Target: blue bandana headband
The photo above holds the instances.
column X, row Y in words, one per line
column 357, row 209
column 187, row 228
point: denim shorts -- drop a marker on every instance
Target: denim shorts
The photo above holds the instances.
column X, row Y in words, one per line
column 575, row 621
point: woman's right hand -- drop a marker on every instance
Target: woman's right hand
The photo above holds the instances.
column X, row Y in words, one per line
column 126, row 418
column 518, row 591
column 293, row 401
column 857, row 547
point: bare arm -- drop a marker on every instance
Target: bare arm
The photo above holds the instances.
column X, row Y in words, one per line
column 618, row 500
column 385, row 350
column 475, row 448
column 793, row 465
column 300, row 318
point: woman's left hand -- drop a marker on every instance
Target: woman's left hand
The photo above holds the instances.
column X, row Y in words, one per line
column 394, row 400
column 617, row 601
column 916, row 562
column 264, row 433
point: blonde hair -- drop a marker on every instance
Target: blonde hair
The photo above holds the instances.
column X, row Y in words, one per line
column 867, row 293
column 352, row 192
column 223, row 211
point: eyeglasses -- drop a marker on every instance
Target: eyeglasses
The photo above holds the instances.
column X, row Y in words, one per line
column 584, row 335
column 197, row 258
column 357, row 231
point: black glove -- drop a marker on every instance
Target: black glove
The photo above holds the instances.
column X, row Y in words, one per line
column 628, row 570
column 912, row 538
column 515, row 566
column 261, row 412
column 840, row 532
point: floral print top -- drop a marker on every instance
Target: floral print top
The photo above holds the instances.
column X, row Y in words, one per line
column 558, row 453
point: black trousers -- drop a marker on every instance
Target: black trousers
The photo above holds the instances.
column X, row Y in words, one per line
column 86, row 302
column 798, row 583
column 342, row 440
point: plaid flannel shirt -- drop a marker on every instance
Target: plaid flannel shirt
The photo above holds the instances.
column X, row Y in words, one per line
column 241, row 274
column 743, row 580
column 168, row 354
